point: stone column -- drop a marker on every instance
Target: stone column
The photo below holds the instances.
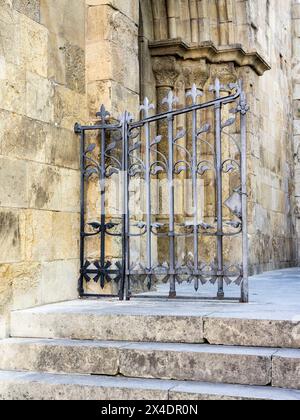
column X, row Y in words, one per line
column 166, row 71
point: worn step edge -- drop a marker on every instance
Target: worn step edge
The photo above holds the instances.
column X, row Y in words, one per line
column 103, row 326
column 237, row 331
column 37, row 386
column 207, row 363
column 55, row 323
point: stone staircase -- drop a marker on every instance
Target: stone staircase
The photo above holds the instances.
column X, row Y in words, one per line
column 104, row 351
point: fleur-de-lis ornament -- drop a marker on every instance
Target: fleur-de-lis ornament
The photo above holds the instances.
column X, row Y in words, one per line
column 146, row 107
column 243, row 107
column 170, row 100
column 194, row 93
column 217, row 88
column 103, row 114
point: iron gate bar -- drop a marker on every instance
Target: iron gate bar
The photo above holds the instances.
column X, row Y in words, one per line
column 123, row 272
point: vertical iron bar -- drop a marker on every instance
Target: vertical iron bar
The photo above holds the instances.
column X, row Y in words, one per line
column 82, row 209
column 103, row 215
column 172, row 293
column 126, row 215
column 218, row 128
column 148, row 196
column 245, row 285
column 195, row 194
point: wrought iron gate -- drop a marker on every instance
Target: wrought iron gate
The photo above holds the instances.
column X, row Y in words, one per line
column 198, row 154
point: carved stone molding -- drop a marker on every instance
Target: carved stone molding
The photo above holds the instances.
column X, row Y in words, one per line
column 209, row 52
column 166, row 71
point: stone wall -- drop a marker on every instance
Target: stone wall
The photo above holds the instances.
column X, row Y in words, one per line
column 271, row 180
column 296, row 108
column 42, row 93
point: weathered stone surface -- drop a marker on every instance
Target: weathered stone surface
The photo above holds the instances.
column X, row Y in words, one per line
column 13, row 175
column 87, row 325
column 68, row 107
column 286, row 369
column 33, row 386
column 198, row 363
column 59, row 17
column 213, row 392
column 252, row 332
column 34, row 46
column 60, row 356
column 129, row 8
column 30, row 8
column 13, row 87
column 216, row 364
column 75, row 67
column 12, row 231
column 39, row 98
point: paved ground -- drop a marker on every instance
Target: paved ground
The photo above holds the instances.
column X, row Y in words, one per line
column 274, row 296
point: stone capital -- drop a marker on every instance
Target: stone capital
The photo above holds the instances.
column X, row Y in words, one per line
column 166, row 71
column 195, row 72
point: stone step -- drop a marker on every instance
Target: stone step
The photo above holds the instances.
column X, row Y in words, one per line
column 176, row 322
column 191, row 362
column 43, row 386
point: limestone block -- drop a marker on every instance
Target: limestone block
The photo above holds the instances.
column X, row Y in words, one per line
column 42, row 227
column 217, row 392
column 296, row 10
column 65, row 231
column 129, row 8
column 53, row 188
column 65, row 17
column 69, row 107
column 29, row 8
column 12, row 87
column 13, row 188
column 12, row 235
column 297, row 127
column 39, row 98
column 197, row 363
column 62, row 148
column 60, row 356
column 5, row 291
column 297, row 109
column 23, row 138
column 112, row 45
column 4, row 326
column 286, row 369
column 75, row 67
column 70, row 190
column 297, row 91
column 39, row 239
column 26, row 285
column 58, row 281
column 56, row 58
column 117, row 98
column 44, row 187
column 22, row 386
column 10, row 47
column 34, row 46
column 86, row 325
column 251, row 332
